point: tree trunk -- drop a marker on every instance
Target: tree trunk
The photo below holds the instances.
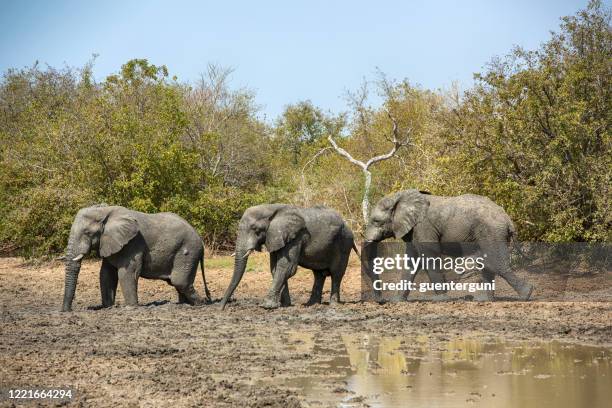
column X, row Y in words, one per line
column 365, row 201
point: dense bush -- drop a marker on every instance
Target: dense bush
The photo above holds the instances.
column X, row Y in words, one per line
column 68, row 142
column 533, row 134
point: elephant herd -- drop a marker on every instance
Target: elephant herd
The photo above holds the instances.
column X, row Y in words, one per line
column 164, row 246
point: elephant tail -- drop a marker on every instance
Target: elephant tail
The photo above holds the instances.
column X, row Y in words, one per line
column 355, row 249
column 206, row 291
column 515, row 247
column 511, row 232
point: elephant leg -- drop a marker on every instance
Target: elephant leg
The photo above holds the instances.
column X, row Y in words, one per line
column 499, row 264
column 522, row 288
column 368, row 254
column 128, row 279
column 285, row 297
column 410, row 277
column 285, row 266
column 317, row 288
column 336, row 280
column 129, row 285
column 487, row 276
column 109, row 279
column 188, row 294
column 431, row 250
column 181, row 298
column 182, row 277
column 337, row 273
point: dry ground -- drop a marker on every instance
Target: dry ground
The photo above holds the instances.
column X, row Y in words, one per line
column 177, row 355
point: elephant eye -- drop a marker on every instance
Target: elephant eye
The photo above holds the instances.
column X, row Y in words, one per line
column 89, row 231
column 258, row 228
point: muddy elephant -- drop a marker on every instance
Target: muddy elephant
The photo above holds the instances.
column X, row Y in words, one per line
column 132, row 245
column 315, row 238
column 434, row 224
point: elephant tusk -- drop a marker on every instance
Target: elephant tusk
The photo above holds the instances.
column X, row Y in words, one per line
column 233, row 254
column 60, row 258
column 78, row 257
column 247, row 253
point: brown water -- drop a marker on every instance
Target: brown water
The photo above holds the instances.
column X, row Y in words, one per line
column 417, row 372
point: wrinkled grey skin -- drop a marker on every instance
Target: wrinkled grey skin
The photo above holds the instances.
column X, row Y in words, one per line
column 314, row 238
column 429, row 221
column 132, row 245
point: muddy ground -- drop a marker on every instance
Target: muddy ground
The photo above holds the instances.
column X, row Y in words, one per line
column 166, row 354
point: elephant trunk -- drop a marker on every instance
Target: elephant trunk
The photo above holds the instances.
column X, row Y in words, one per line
column 240, row 261
column 73, row 268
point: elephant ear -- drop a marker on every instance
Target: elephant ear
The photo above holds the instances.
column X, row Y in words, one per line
column 283, row 228
column 410, row 208
column 119, row 229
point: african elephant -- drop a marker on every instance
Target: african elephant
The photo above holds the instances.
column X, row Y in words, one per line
column 429, row 221
column 132, row 245
column 315, row 238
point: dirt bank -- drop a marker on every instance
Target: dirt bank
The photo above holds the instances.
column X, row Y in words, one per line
column 199, row 356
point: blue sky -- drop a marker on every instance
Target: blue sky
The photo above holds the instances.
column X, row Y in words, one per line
column 285, row 51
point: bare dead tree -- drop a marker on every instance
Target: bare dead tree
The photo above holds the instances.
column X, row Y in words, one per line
column 397, row 140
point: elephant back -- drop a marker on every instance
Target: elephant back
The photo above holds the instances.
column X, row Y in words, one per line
column 489, row 219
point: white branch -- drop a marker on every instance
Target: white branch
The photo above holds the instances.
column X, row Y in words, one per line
column 309, row 162
column 346, row 154
column 397, row 143
column 382, row 157
column 395, row 131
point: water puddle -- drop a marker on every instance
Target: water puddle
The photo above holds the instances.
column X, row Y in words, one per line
column 417, row 372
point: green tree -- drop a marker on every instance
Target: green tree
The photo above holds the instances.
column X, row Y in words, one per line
column 303, row 125
column 535, row 132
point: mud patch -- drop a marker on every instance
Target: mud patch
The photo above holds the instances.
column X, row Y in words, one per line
column 166, row 354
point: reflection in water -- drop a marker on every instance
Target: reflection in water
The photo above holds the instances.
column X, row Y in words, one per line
column 396, row 372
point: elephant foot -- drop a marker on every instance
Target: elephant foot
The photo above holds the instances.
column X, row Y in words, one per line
column 198, row 301
column 440, row 297
column 270, row 304
column 97, row 307
column 526, row 291
column 334, row 301
column 312, row 302
column 484, row 296
column 375, row 296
